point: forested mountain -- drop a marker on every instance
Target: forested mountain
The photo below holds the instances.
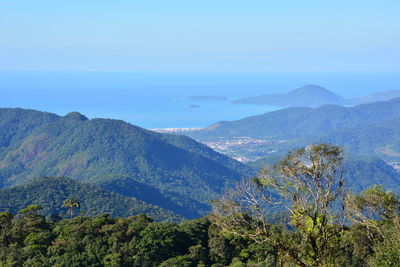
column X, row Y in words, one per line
column 50, row 192
column 116, row 155
column 382, row 139
column 299, row 122
column 16, row 123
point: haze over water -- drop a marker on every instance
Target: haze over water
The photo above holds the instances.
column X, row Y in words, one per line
column 156, row 99
column 136, row 60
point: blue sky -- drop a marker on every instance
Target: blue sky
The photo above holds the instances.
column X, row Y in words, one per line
column 207, row 35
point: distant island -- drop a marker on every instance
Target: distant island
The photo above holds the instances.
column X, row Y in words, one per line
column 193, row 106
column 314, row 96
column 206, row 98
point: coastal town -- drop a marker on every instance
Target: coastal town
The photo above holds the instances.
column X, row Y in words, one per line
column 243, row 149
column 175, row 130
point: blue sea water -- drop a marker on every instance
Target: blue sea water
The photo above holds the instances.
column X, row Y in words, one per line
column 156, row 100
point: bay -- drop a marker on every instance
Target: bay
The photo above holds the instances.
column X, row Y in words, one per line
column 156, row 100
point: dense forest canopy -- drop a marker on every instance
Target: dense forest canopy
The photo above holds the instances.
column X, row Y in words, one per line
column 50, row 192
column 325, row 225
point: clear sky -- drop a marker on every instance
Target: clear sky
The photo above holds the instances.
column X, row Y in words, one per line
column 206, row 35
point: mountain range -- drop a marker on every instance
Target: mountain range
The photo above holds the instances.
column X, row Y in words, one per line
column 122, row 169
column 298, row 122
column 171, row 171
column 366, row 129
column 314, row 96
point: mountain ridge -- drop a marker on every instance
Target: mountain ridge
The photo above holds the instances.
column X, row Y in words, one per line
column 100, row 151
column 372, row 128
column 298, row 121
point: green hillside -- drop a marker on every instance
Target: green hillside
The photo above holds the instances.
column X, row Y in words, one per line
column 16, row 123
column 382, row 139
column 367, row 129
column 115, row 154
column 298, row 122
column 50, row 192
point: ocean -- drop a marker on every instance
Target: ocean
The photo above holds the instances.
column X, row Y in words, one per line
column 157, row 100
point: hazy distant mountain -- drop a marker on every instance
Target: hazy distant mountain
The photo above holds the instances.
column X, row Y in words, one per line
column 115, row 154
column 306, row 96
column 314, row 96
column 375, row 97
column 50, row 192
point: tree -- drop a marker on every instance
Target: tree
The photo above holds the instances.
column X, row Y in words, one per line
column 71, row 204
column 309, row 184
column 378, row 212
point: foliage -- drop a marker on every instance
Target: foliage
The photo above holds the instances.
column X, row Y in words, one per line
column 378, row 212
column 362, row 172
column 31, row 240
column 102, row 241
column 51, row 193
column 71, row 204
column 308, row 182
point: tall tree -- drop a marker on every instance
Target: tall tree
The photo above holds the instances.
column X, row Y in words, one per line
column 309, row 184
column 378, row 212
column 71, row 204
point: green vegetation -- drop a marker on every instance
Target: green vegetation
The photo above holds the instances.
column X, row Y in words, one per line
column 361, row 172
column 176, row 172
column 368, row 129
column 307, row 182
column 291, row 123
column 28, row 239
column 381, row 139
column 297, row 212
column 52, row 193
